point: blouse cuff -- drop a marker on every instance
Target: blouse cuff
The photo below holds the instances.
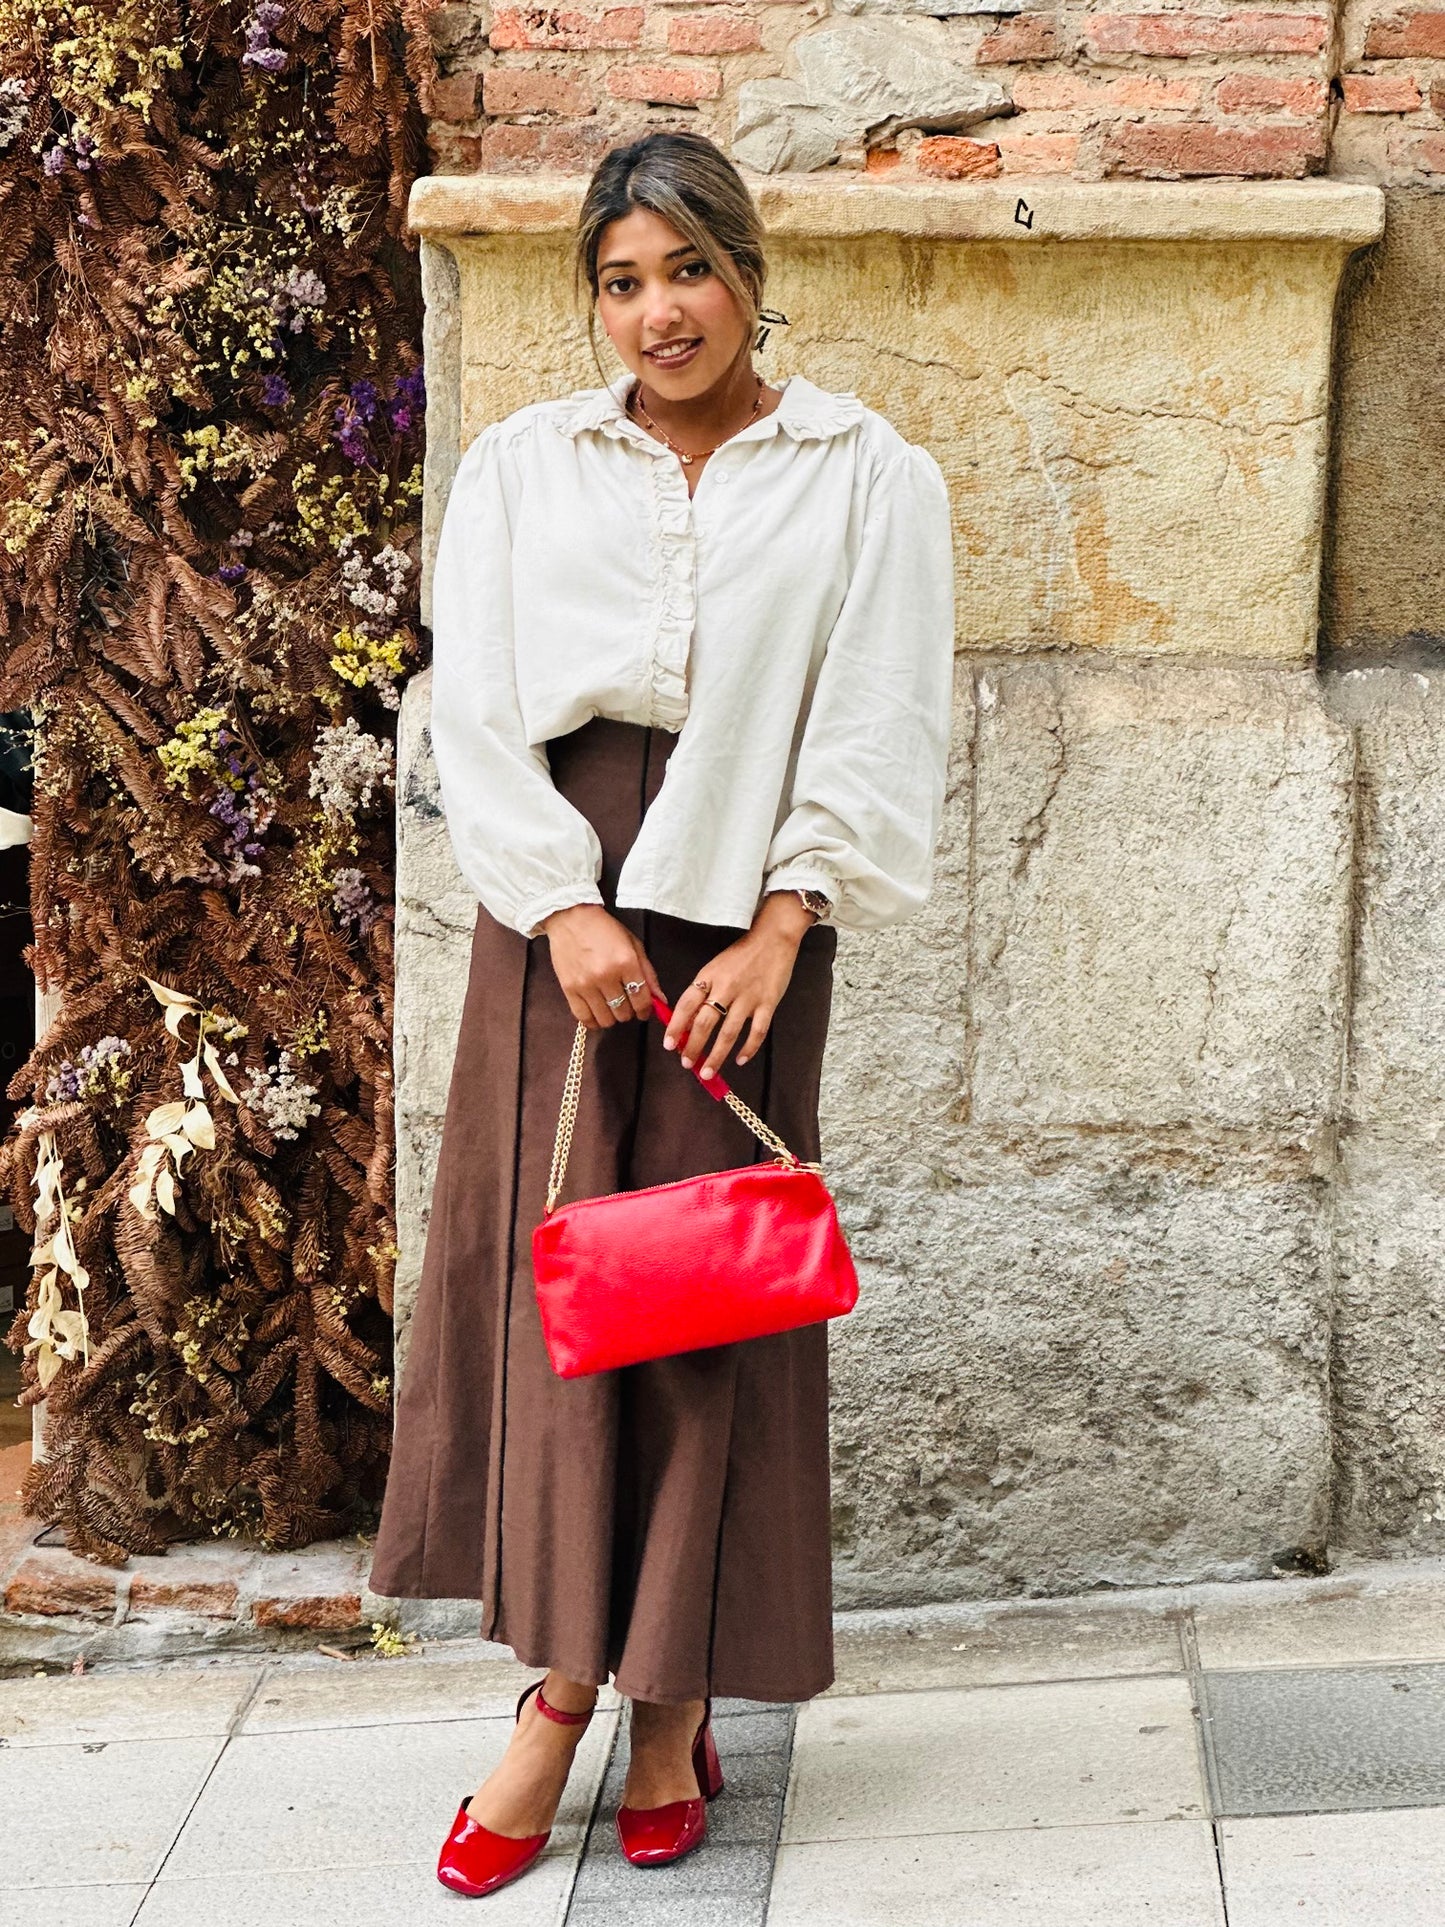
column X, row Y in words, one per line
column 804, row 873
column 531, row 915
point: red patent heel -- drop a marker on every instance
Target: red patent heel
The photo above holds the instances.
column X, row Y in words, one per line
column 652, row 1836
column 476, row 1861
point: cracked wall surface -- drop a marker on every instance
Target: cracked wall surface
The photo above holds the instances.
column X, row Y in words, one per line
column 1138, row 1129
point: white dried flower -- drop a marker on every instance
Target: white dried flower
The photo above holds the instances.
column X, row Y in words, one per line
column 280, row 1098
column 351, row 769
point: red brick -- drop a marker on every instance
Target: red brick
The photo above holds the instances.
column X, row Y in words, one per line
column 453, row 97
column 1271, row 94
column 1038, row 153
column 1429, row 153
column 1165, row 148
column 1407, row 36
column 1381, row 94
column 1177, row 36
column 881, row 160
column 322, row 1612
column 61, row 1584
column 1028, row 36
column 565, row 29
column 1437, row 97
column 207, row 1598
column 664, row 86
column 572, row 147
column 534, row 90
column 712, row 33
column 1061, row 92
column 948, row 157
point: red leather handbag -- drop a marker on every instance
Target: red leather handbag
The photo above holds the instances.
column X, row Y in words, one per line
column 705, row 1261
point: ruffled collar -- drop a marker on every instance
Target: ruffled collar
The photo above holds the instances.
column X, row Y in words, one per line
column 806, row 412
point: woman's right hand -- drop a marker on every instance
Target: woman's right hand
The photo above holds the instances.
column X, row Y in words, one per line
column 595, row 956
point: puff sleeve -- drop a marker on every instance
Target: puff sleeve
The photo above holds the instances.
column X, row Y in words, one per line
column 521, row 845
column 866, row 800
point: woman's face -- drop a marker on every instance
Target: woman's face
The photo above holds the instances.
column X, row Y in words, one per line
column 675, row 324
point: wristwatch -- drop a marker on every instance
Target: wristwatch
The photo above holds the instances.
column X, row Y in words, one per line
column 815, row 901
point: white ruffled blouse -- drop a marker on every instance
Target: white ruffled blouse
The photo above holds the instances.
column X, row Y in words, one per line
column 793, row 620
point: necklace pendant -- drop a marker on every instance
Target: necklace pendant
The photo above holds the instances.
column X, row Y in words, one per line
column 688, row 459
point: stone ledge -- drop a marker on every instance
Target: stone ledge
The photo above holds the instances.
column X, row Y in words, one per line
column 1336, row 213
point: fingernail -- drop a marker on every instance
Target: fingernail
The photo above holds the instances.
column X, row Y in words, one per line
column 669, row 1043
column 707, row 1072
column 687, row 1063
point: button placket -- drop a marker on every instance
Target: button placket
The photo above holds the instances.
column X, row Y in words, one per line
column 676, row 544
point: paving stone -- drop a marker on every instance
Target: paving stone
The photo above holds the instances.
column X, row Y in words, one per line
column 938, row 1647
column 652, row 1904
column 58, row 1710
column 1336, row 1869
column 736, row 1873
column 286, row 1802
column 1336, row 1622
column 105, row 1811
column 1081, row 1753
column 738, row 1733
column 109, row 1906
column 1331, row 1740
column 1125, row 1876
column 370, row 1692
column 373, row 1896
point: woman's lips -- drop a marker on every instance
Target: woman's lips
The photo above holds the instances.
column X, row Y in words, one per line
column 673, row 354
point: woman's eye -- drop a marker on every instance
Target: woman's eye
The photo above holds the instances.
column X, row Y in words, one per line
column 620, row 285
column 701, row 267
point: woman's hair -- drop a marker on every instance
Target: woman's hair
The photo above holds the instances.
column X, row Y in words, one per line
column 691, row 184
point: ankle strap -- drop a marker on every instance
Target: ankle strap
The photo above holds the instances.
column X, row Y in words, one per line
column 551, row 1712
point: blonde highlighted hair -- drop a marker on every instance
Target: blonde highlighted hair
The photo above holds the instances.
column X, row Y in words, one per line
column 692, row 185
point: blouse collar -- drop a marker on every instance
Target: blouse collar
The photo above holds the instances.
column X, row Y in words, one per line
column 806, row 412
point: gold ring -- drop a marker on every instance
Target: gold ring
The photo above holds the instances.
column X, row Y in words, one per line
column 717, row 1006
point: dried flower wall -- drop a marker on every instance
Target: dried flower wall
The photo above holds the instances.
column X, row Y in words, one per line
column 210, row 440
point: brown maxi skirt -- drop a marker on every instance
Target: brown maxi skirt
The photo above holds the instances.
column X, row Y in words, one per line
column 668, row 1523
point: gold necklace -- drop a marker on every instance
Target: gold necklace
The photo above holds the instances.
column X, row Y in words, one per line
column 702, row 454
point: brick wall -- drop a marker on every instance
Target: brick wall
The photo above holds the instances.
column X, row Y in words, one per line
column 1286, row 90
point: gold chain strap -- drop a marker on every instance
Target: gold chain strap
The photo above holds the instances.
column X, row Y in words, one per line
column 567, row 1120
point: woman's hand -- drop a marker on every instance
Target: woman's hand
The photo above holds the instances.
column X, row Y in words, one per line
column 750, row 977
column 596, row 957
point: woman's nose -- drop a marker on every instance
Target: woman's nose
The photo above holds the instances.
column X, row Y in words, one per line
column 662, row 311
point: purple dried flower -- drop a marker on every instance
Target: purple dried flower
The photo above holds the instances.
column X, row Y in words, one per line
column 271, row 60
column 275, row 392
column 410, row 388
column 364, row 399
column 53, row 160
column 231, row 573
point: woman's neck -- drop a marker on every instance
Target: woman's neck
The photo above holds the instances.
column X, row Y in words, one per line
column 708, row 418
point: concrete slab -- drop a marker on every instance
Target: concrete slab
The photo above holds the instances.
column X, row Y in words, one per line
column 1081, row 1753
column 60, row 1711
column 1340, row 1623
column 1337, row 1869
column 291, row 1802
column 369, row 1692
column 1330, row 1740
column 1130, row 1876
column 105, row 1812
column 380, row 1896
column 108, row 1906
column 940, row 1647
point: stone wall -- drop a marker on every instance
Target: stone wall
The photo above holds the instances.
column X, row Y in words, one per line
column 953, row 89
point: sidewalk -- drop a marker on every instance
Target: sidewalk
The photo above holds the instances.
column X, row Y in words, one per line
column 1275, row 1749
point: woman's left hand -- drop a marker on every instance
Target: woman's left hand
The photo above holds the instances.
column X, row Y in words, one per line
column 750, row 977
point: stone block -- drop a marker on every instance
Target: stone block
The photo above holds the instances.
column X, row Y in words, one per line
column 1385, row 562
column 1389, row 1350
column 1396, row 1078
column 1161, row 899
column 1070, row 1370
column 322, row 1612
column 932, row 9
column 436, row 911
column 858, row 82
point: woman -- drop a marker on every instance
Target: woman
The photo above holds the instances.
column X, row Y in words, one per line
column 690, row 707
